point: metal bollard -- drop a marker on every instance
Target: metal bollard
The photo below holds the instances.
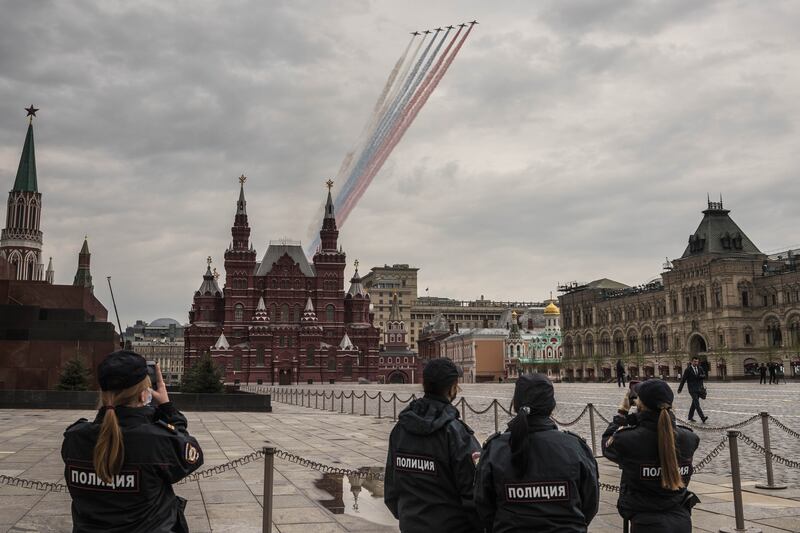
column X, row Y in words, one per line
column 768, row 456
column 496, row 422
column 394, row 407
column 341, row 406
column 365, row 404
column 463, row 410
column 380, row 401
column 269, row 465
column 353, row 403
column 324, row 398
column 591, row 428
column 736, row 482
column 316, row 399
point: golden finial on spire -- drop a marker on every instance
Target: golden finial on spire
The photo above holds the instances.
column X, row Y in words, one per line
column 242, row 179
column 216, row 274
column 329, row 183
column 208, row 260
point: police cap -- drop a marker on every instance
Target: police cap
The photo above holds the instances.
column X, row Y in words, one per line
column 120, row 370
column 535, row 391
column 440, row 372
column 654, row 392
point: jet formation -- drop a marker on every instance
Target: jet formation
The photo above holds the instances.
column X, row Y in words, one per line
column 437, row 30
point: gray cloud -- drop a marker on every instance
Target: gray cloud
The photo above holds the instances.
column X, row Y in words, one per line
column 570, row 140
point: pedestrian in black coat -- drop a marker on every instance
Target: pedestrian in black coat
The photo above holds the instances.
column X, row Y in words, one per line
column 534, row 477
column 655, row 456
column 693, row 376
column 430, row 465
column 620, row 373
column 773, row 373
column 762, row 371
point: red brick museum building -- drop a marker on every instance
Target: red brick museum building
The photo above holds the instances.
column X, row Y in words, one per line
column 284, row 320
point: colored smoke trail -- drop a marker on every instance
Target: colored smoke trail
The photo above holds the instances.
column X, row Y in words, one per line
column 402, row 97
column 366, row 176
column 388, row 118
column 398, row 134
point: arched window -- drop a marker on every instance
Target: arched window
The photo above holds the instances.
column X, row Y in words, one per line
column 619, row 343
column 330, row 313
column 238, row 312
column 519, row 350
column 331, row 363
column 794, row 331
column 309, row 355
column 774, row 336
column 260, row 355
column 348, row 368
column 284, row 313
column 273, row 312
column 296, row 316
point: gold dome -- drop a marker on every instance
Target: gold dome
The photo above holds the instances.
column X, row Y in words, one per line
column 552, row 309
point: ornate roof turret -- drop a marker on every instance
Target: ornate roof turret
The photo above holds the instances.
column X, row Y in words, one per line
column 50, row 274
column 356, row 289
column 26, row 172
column 309, row 319
column 718, row 234
column 209, row 286
column 552, row 308
column 222, row 343
column 514, row 334
column 83, row 277
column 261, row 311
column 346, row 344
column 241, row 205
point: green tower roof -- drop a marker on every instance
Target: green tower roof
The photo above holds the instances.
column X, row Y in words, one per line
column 26, row 173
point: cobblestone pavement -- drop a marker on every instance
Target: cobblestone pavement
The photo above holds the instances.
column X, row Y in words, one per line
column 727, row 403
column 306, row 500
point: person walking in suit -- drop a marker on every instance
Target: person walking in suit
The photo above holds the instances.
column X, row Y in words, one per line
column 694, row 376
column 773, row 378
column 762, row 371
column 620, row 373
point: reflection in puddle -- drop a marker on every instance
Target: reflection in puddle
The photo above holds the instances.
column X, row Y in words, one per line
column 355, row 496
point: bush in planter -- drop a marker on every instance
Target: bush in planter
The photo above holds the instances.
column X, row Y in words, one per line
column 74, row 376
column 205, row 376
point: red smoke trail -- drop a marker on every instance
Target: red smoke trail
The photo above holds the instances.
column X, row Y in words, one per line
column 398, row 133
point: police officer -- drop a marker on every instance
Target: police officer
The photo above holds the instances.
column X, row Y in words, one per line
column 534, row 477
column 655, row 456
column 430, row 463
column 120, row 467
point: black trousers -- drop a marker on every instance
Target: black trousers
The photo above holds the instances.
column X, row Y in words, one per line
column 674, row 521
column 763, row 379
column 620, row 380
column 695, row 405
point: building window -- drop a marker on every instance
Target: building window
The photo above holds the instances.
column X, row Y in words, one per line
column 330, row 313
column 237, row 363
column 296, row 317
column 748, row 337
column 348, row 368
column 284, row 313
column 238, row 312
column 381, row 360
column 290, row 341
column 331, row 363
column 721, row 340
column 281, row 341
column 260, row 355
column 774, row 336
column 745, row 299
column 309, row 355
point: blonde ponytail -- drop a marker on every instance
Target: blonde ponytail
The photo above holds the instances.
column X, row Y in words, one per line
column 109, row 450
column 670, row 472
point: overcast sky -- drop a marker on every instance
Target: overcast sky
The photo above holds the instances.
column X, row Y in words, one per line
column 570, row 140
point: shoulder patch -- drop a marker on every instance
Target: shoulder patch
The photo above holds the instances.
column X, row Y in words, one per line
column 191, row 453
column 168, row 427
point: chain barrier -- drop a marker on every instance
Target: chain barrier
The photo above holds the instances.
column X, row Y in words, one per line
column 711, row 455
column 601, row 417
column 572, row 423
column 789, row 431
column 230, row 465
column 719, row 428
column 609, row 488
column 760, row 449
column 32, row 484
column 475, row 411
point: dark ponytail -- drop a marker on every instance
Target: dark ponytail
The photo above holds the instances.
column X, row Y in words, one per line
column 667, row 451
column 518, row 427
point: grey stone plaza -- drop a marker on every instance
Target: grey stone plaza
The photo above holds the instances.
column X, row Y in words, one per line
column 307, row 500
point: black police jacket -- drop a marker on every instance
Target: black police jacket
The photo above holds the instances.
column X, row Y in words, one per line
column 634, row 447
column 158, row 452
column 558, row 492
column 430, row 469
column 693, row 381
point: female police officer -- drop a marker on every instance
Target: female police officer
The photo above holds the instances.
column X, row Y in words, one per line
column 120, row 468
column 534, row 477
column 655, row 456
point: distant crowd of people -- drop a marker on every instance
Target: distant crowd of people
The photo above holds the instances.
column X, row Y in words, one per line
column 775, row 371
